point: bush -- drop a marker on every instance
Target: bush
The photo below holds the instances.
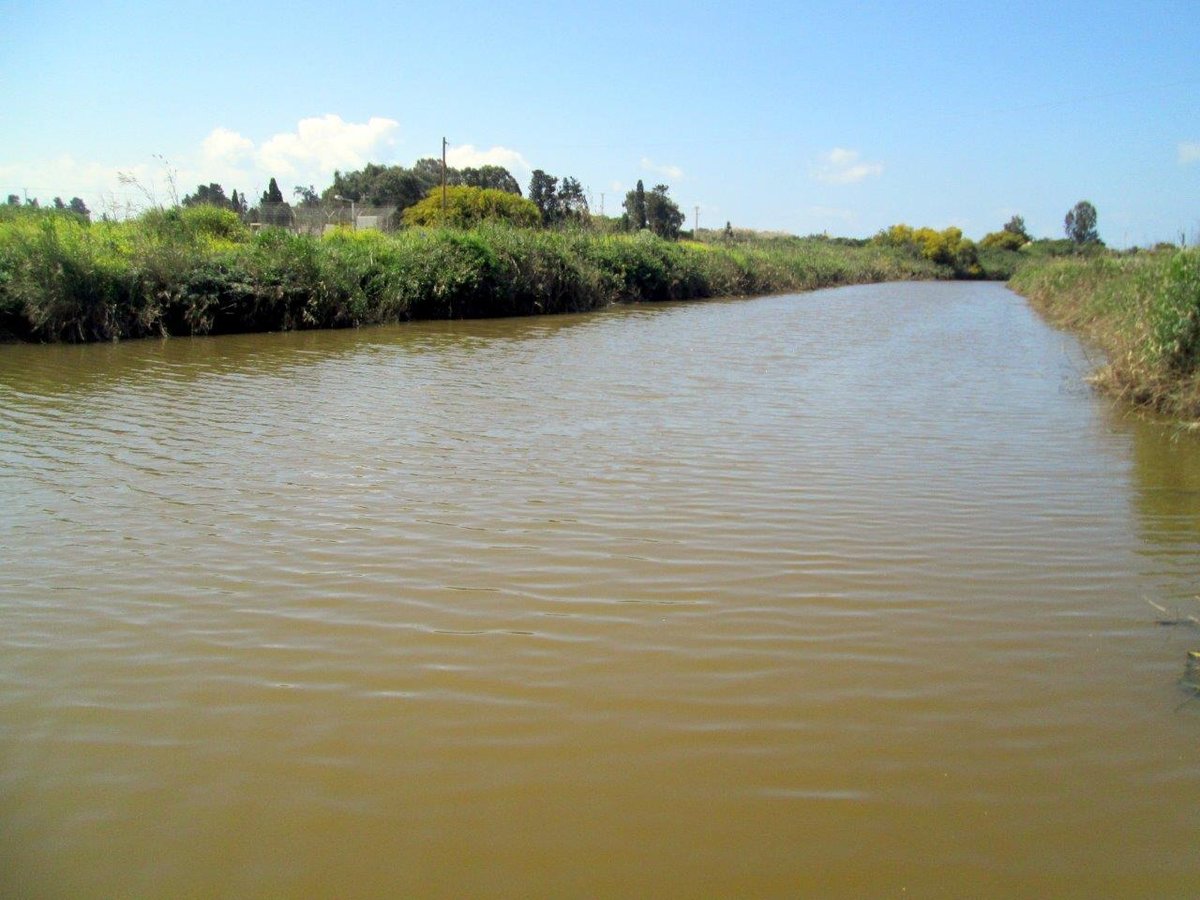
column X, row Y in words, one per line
column 59, row 284
column 470, row 206
column 947, row 248
column 1003, row 240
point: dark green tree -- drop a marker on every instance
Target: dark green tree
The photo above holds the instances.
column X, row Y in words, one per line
column 208, row 195
column 543, row 191
column 431, row 169
column 572, row 200
column 237, row 203
column 14, row 200
column 1016, row 225
column 306, row 195
column 1080, row 224
column 80, row 209
column 635, row 205
column 496, row 178
column 662, row 214
column 376, row 185
column 272, row 210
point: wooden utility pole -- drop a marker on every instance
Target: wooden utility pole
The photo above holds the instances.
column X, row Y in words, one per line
column 696, row 225
column 443, row 181
column 601, row 204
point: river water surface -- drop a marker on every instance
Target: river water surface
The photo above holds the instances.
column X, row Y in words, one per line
column 834, row 594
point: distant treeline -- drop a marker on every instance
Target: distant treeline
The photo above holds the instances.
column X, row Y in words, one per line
column 554, row 201
column 201, row 270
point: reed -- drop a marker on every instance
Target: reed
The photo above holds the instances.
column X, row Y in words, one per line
column 201, row 271
column 1142, row 310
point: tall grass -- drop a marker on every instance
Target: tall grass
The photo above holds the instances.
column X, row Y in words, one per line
column 1142, row 310
column 200, row 271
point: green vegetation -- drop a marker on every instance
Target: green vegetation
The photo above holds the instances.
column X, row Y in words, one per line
column 557, row 204
column 200, row 270
column 401, row 186
column 654, row 210
column 1080, row 224
column 467, row 207
column 1012, row 236
column 1142, row 309
column 948, row 247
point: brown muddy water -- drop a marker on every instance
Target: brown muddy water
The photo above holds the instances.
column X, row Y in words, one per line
column 836, row 594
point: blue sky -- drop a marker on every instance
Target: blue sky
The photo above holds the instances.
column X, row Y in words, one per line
column 798, row 117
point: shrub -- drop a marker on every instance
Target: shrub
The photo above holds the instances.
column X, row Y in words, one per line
column 468, row 206
column 1003, row 240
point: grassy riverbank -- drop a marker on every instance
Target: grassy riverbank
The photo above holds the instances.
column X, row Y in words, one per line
column 201, row 271
column 1142, row 310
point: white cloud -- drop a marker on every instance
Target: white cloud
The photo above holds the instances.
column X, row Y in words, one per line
column 841, row 166
column 468, row 156
column 323, row 144
column 1189, row 152
column 667, row 171
column 226, row 147
column 307, row 155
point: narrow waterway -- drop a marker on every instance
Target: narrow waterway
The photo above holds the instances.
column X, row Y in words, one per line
column 835, row 594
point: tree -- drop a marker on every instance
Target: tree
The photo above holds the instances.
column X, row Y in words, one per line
column 208, row 195
column 572, row 201
column 1016, row 225
column 272, row 209
column 662, row 214
column 635, row 207
column 495, row 178
column 558, row 201
column 76, row 206
column 376, row 185
column 543, row 191
column 1080, row 224
column 237, row 203
column 306, row 195
column 272, row 194
column 14, row 200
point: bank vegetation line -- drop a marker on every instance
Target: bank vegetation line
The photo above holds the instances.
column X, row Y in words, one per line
column 1142, row 310
column 200, row 270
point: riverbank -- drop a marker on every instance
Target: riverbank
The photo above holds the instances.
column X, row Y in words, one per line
column 1142, row 310
column 201, row 271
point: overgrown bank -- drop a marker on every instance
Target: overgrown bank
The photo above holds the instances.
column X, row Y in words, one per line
column 1142, row 310
column 201, row 271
